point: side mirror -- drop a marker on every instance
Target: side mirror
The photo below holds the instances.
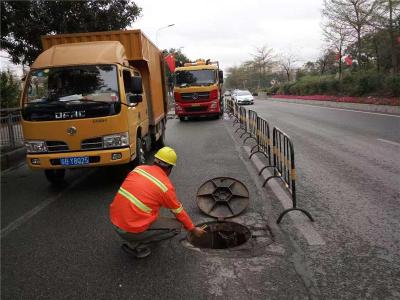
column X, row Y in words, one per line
column 136, row 84
column 135, row 99
column 221, row 76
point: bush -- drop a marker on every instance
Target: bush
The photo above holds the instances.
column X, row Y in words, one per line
column 369, row 83
column 392, row 85
column 285, row 88
column 9, row 89
column 272, row 90
column 352, row 84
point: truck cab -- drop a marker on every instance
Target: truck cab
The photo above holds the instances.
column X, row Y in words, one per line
column 197, row 89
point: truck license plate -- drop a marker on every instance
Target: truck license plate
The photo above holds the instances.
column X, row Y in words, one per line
column 195, row 104
column 74, row 161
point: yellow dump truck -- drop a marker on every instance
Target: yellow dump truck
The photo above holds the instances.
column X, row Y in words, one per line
column 197, row 89
column 93, row 99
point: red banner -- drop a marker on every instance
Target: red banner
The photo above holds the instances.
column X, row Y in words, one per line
column 348, row 60
column 170, row 60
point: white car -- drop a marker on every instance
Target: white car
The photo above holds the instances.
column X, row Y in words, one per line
column 243, row 97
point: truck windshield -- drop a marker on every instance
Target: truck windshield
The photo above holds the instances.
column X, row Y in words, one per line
column 92, row 89
column 195, row 77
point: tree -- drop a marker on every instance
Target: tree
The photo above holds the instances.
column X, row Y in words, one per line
column 337, row 36
column 9, row 89
column 263, row 60
column 286, row 62
column 352, row 16
column 23, row 22
column 325, row 64
column 180, row 60
column 390, row 11
column 180, row 57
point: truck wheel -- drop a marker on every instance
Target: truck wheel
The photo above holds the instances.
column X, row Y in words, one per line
column 182, row 119
column 55, row 176
column 140, row 158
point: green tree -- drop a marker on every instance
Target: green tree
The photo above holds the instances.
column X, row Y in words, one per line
column 9, row 89
column 23, row 22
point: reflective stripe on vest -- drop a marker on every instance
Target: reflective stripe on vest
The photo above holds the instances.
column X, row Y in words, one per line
column 139, row 204
column 177, row 210
column 150, row 177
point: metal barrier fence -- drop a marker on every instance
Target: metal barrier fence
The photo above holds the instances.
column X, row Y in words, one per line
column 242, row 119
column 284, row 168
column 229, row 108
column 251, row 126
column 264, row 142
column 281, row 146
column 11, row 136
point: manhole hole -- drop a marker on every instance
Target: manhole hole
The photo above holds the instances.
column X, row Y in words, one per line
column 220, row 235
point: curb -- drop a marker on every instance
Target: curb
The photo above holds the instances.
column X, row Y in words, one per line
column 356, row 106
column 12, row 158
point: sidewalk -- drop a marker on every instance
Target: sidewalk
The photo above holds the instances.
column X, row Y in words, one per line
column 264, row 268
column 12, row 158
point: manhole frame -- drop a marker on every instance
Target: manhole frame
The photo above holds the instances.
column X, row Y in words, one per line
column 248, row 236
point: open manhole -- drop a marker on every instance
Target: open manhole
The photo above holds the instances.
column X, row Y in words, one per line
column 220, row 235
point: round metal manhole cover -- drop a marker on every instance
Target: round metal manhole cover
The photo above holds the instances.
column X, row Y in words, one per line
column 222, row 197
column 220, row 235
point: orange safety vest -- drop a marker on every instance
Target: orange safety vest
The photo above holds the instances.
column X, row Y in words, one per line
column 138, row 201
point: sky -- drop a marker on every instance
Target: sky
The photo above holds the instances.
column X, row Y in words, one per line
column 230, row 31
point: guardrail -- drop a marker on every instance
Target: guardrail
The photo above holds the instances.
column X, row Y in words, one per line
column 11, row 136
column 279, row 151
column 284, row 168
column 251, row 126
column 264, row 142
column 242, row 119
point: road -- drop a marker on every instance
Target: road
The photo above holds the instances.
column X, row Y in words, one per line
column 348, row 165
column 57, row 243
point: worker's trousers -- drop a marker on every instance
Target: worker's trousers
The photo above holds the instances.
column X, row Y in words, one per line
column 163, row 228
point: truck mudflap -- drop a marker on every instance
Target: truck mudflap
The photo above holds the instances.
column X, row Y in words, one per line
column 84, row 159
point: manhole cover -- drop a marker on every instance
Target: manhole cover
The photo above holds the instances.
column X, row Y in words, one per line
column 221, row 235
column 222, row 197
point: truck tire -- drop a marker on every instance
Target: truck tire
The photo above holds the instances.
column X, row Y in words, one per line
column 140, row 158
column 182, row 119
column 55, row 176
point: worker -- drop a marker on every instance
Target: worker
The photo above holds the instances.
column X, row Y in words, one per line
column 134, row 211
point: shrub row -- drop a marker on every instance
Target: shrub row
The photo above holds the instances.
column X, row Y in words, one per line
column 355, row 84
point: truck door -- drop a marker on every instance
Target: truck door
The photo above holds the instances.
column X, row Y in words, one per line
column 137, row 114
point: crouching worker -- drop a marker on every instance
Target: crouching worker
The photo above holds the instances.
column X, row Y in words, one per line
column 134, row 211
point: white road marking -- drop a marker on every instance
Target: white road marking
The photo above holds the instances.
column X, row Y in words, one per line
column 300, row 221
column 24, row 218
column 346, row 109
column 389, row 142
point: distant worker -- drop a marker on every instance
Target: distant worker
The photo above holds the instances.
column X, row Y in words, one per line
column 135, row 209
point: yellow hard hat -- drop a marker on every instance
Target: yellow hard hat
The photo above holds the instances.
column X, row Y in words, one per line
column 167, row 155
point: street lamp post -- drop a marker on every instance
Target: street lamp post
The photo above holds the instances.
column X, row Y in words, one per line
column 161, row 28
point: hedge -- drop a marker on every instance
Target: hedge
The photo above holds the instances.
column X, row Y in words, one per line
column 355, row 84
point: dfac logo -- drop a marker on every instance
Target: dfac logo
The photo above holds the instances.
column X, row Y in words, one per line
column 195, row 96
column 71, row 130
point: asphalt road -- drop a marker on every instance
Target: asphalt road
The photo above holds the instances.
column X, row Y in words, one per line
column 57, row 243
column 348, row 165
